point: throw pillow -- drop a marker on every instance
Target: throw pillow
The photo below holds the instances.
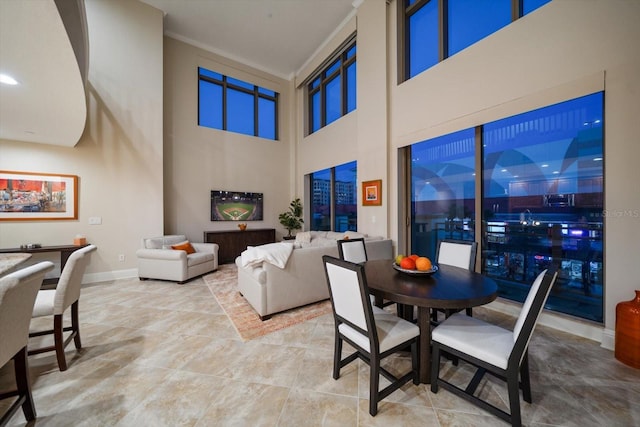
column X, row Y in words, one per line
column 184, row 246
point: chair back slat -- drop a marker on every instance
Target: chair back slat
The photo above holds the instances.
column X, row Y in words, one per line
column 346, row 294
column 457, row 253
column 352, row 250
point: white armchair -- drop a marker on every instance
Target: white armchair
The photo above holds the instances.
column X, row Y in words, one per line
column 161, row 258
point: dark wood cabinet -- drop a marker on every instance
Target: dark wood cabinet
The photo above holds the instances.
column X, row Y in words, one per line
column 233, row 242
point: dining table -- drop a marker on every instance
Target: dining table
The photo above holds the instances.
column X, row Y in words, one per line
column 448, row 288
column 8, row 261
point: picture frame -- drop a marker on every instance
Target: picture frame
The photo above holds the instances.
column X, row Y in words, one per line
column 35, row 196
column 372, row 193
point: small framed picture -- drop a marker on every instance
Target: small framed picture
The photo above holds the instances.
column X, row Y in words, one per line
column 372, row 193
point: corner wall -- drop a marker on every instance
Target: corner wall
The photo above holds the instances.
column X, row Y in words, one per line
column 119, row 157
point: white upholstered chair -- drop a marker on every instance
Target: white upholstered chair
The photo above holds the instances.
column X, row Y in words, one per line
column 457, row 253
column 352, row 250
column 54, row 302
column 158, row 260
column 18, row 292
column 493, row 349
column 373, row 332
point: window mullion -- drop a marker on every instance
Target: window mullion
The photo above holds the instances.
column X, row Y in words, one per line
column 224, row 103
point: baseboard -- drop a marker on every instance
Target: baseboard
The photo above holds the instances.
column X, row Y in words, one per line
column 110, row 275
column 609, row 339
column 567, row 324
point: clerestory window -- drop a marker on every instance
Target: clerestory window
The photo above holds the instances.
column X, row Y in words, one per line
column 430, row 31
column 234, row 105
column 331, row 91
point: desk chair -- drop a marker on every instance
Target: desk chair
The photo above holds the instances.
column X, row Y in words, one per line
column 54, row 302
column 18, row 292
column 492, row 349
column 374, row 333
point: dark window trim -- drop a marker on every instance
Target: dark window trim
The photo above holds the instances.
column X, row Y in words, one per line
column 404, row 12
column 255, row 92
column 340, row 55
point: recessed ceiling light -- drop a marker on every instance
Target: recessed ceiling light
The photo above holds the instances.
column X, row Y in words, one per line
column 544, row 166
column 7, row 79
column 503, row 170
column 597, row 159
column 556, row 172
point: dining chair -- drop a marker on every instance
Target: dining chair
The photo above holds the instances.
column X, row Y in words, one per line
column 371, row 331
column 493, row 349
column 54, row 302
column 18, row 292
column 457, row 253
column 352, row 250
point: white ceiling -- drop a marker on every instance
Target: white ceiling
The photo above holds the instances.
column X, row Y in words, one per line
column 277, row 36
column 49, row 104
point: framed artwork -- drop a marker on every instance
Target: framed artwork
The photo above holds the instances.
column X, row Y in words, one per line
column 372, row 193
column 33, row 196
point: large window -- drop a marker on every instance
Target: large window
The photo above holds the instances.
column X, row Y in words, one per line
column 236, row 106
column 433, row 30
column 541, row 202
column 332, row 91
column 334, row 198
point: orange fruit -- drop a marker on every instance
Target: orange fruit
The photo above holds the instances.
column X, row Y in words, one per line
column 423, row 264
column 414, row 256
column 407, row 263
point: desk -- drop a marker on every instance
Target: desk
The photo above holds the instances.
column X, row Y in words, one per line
column 65, row 252
column 10, row 260
column 449, row 287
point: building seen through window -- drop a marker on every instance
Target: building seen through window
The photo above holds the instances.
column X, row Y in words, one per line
column 334, row 198
column 542, row 202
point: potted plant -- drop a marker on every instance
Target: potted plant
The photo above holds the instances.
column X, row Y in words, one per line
column 292, row 219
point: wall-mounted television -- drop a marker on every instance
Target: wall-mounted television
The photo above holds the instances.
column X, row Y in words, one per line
column 236, row 206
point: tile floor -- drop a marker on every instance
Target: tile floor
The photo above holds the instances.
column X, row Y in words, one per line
column 160, row 354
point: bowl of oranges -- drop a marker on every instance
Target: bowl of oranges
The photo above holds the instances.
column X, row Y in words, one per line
column 414, row 265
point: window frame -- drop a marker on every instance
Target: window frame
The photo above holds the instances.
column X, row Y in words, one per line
column 404, row 13
column 324, row 79
column 309, row 184
column 256, row 93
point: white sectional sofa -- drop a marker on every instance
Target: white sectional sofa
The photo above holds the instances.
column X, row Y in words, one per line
column 271, row 289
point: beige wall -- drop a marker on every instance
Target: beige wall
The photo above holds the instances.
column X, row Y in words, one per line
column 556, row 53
column 119, row 158
column 200, row 159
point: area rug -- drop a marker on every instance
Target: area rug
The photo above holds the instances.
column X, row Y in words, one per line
column 223, row 284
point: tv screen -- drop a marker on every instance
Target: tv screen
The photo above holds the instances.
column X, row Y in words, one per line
column 236, row 206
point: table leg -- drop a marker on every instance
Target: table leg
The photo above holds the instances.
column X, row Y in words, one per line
column 424, row 322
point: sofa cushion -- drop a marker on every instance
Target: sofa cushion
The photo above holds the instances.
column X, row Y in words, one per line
column 303, row 237
column 199, row 257
column 184, row 246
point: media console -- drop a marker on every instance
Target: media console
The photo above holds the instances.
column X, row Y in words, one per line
column 233, row 242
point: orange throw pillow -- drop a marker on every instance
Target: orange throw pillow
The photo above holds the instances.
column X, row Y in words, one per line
column 184, row 246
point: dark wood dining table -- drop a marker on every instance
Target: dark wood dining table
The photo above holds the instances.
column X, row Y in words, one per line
column 449, row 287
